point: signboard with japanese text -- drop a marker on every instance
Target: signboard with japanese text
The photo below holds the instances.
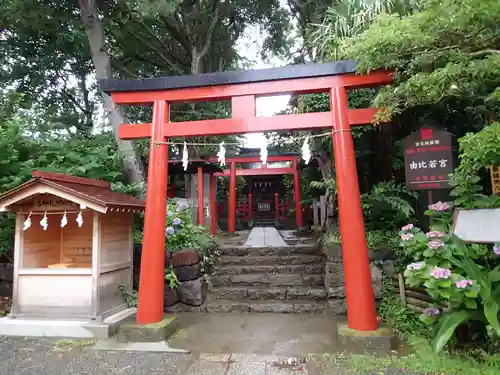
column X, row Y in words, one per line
column 428, row 159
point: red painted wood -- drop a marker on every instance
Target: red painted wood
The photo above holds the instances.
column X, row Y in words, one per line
column 258, row 172
column 243, row 106
column 226, row 92
column 231, row 218
column 71, row 179
column 201, row 219
column 213, row 209
column 299, row 220
column 297, row 122
column 256, row 159
column 152, row 277
column 361, row 314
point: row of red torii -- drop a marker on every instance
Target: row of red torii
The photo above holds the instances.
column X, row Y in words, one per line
column 232, row 172
column 242, row 88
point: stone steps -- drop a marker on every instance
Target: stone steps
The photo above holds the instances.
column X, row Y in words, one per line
column 238, row 293
column 265, row 306
column 299, row 249
column 275, row 279
column 270, row 260
column 300, row 269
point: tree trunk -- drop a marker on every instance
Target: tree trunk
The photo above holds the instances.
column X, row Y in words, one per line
column 132, row 163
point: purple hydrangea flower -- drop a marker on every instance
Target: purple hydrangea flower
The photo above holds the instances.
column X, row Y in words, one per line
column 435, row 244
column 462, row 284
column 407, row 236
column 435, row 234
column 496, row 249
column 415, row 266
column 432, row 311
column 170, row 213
column 170, row 230
column 441, row 273
column 407, row 227
column 439, row 206
column 176, row 221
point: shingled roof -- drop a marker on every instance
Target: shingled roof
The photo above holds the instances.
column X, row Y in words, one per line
column 97, row 192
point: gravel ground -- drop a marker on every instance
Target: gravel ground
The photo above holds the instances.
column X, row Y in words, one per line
column 56, row 357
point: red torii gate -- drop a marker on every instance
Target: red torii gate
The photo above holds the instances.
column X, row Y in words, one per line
column 232, row 172
column 242, row 88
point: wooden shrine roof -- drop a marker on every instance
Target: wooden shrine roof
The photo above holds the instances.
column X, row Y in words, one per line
column 230, row 78
column 97, row 192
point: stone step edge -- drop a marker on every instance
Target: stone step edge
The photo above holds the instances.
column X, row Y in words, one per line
column 289, row 269
column 268, row 293
column 266, row 306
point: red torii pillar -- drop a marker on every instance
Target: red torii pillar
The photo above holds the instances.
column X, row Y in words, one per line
column 213, row 209
column 231, row 214
column 299, row 219
column 152, row 277
column 361, row 312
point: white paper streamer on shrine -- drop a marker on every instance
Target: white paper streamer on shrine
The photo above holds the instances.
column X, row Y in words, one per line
column 221, row 155
column 185, row 160
column 27, row 223
column 44, row 222
column 306, row 151
column 64, row 220
column 207, row 212
column 79, row 219
column 263, row 153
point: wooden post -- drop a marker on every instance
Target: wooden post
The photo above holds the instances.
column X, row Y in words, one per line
column 231, row 215
column 361, row 313
column 213, row 209
column 402, row 292
column 315, row 213
column 322, row 202
column 200, row 197
column 299, row 219
column 276, row 206
column 152, row 279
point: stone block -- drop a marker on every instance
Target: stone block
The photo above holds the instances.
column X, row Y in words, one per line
column 155, row 332
column 266, row 293
column 336, row 306
column 170, row 296
column 377, row 281
column 192, row 292
column 186, row 273
column 382, row 340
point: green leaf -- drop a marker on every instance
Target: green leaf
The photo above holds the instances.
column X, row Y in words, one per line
column 447, row 327
column 491, row 309
column 470, row 304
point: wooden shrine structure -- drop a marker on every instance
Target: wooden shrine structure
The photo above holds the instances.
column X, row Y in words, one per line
column 73, row 247
column 242, row 88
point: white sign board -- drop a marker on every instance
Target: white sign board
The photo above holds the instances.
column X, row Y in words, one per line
column 477, row 226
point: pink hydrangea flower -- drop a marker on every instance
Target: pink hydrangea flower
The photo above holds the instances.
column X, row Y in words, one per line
column 407, row 227
column 435, row 234
column 435, row 244
column 415, row 266
column 496, row 249
column 407, row 236
column 439, row 206
column 441, row 273
column 462, row 284
column 432, row 311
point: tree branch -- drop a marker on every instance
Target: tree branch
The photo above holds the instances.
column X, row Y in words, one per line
column 484, row 52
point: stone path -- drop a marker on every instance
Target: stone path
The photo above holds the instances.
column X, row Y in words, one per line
column 264, row 237
column 55, row 357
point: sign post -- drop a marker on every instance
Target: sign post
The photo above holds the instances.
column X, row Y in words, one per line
column 428, row 160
